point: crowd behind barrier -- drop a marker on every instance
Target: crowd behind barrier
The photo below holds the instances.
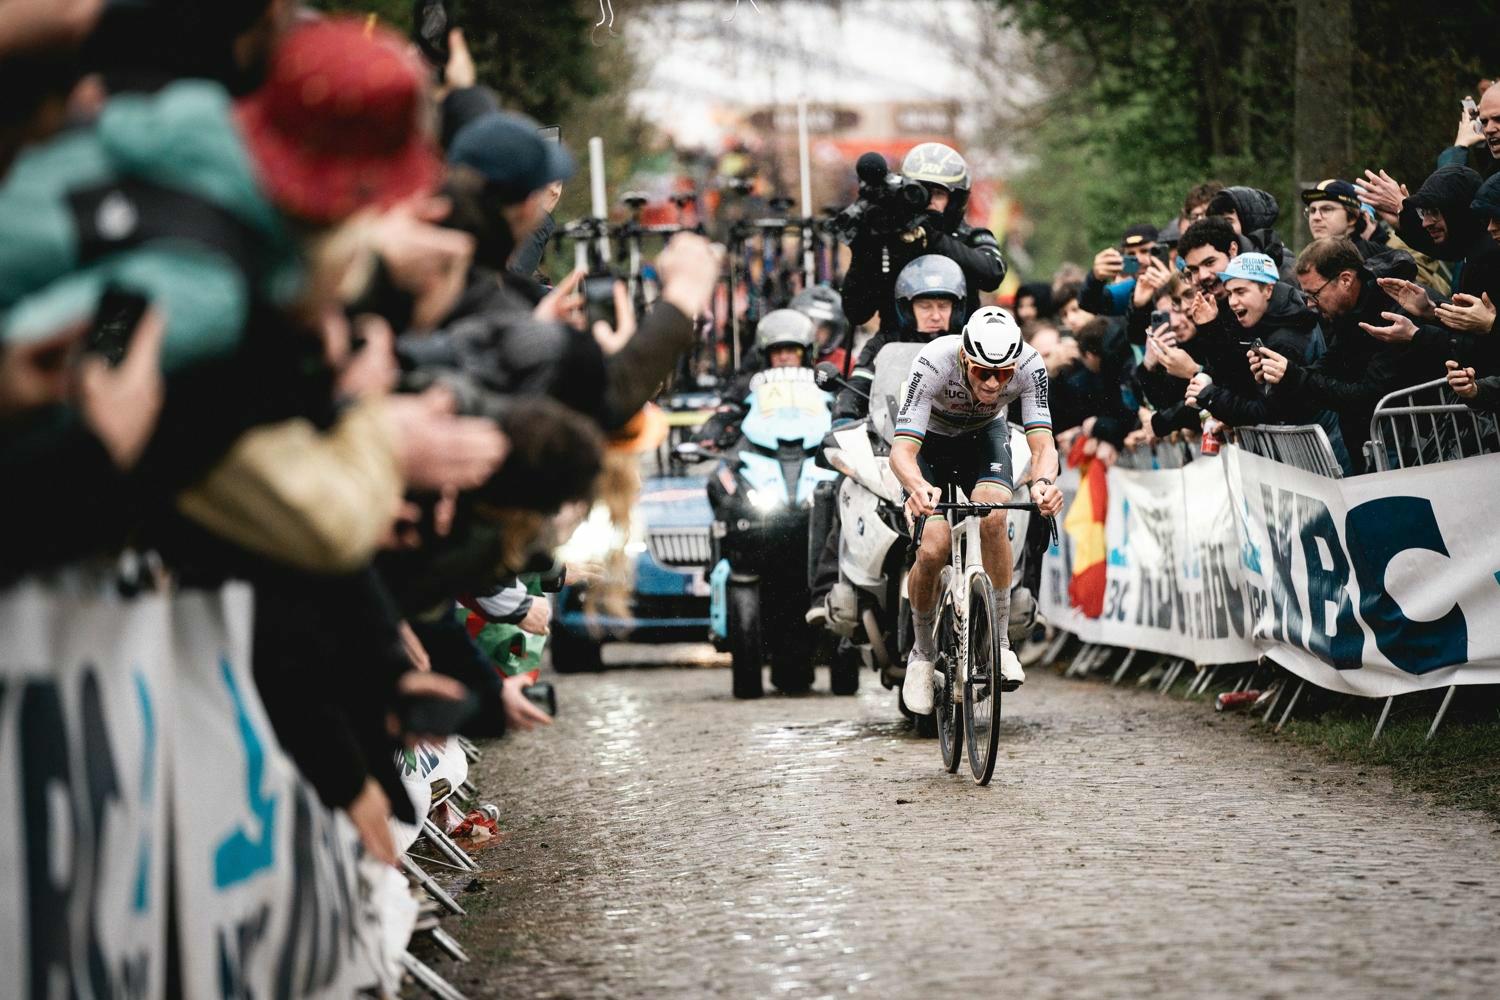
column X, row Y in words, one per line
column 292, row 429
column 1375, row 585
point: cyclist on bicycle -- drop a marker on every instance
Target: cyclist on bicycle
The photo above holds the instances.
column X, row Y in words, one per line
column 951, row 430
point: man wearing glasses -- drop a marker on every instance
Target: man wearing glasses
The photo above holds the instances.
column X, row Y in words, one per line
column 1333, row 209
column 1358, row 370
column 951, row 430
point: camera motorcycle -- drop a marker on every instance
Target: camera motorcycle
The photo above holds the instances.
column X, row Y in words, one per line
column 761, row 494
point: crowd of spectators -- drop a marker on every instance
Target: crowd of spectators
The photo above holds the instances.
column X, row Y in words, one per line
column 261, row 313
column 1211, row 319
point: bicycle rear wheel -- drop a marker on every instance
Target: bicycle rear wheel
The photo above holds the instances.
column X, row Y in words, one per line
column 949, row 708
column 981, row 709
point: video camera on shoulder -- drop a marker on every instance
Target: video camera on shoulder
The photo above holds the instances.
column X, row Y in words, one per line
column 888, row 202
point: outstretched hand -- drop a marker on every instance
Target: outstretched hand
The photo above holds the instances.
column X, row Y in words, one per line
column 1467, row 314
column 1401, row 330
column 1409, row 296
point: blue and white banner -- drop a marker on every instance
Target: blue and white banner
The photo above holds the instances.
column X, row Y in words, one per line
column 84, row 705
column 1376, row 585
column 131, row 726
column 267, row 885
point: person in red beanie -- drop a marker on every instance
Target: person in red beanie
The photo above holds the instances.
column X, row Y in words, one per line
column 338, row 124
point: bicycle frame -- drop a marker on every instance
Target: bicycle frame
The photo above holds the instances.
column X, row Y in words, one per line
column 967, row 557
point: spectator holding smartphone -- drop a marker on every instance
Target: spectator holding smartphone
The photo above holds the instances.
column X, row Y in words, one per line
column 1358, row 370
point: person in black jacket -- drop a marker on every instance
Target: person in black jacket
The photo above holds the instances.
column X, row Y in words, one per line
column 1252, row 212
column 877, row 260
column 1358, row 370
column 1460, row 330
column 931, row 296
column 1208, row 247
column 1087, row 394
column 1439, row 220
column 1271, row 313
column 502, row 329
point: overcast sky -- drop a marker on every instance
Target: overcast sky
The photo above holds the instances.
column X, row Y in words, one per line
column 857, row 51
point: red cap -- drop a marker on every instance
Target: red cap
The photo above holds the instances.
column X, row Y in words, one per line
column 337, row 125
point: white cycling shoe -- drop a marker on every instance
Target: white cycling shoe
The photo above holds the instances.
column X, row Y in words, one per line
column 916, row 690
column 1011, row 674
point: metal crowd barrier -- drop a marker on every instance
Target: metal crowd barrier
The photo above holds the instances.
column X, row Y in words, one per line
column 1306, row 448
column 1420, row 425
column 1426, row 424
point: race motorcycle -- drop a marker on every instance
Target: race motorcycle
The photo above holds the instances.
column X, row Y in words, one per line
column 761, row 494
column 868, row 607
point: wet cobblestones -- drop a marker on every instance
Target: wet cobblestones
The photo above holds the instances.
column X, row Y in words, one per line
column 665, row 840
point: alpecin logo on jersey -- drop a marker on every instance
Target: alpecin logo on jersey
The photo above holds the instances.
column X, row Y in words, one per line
column 1039, row 382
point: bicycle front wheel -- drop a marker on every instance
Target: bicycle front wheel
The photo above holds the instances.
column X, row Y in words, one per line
column 981, row 709
column 949, row 710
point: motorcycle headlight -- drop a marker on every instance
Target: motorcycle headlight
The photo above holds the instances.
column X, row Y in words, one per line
column 763, row 499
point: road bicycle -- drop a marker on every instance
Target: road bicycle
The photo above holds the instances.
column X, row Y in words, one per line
column 972, row 629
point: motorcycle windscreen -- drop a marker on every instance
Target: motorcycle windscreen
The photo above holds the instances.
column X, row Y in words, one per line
column 892, row 372
column 787, row 405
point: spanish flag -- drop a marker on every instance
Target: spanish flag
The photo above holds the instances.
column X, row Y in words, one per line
column 1084, row 524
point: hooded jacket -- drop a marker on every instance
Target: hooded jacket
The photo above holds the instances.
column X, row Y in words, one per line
column 1257, row 211
column 1450, row 190
column 1486, row 203
column 1358, row 370
column 159, row 196
column 1290, row 329
column 1433, row 344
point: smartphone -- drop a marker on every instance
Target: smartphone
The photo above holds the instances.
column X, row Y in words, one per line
column 1471, row 111
column 429, row 30
column 1162, row 252
column 1257, row 345
column 1132, row 266
column 599, row 299
column 550, row 133
column 543, row 695
column 115, row 322
column 1159, row 318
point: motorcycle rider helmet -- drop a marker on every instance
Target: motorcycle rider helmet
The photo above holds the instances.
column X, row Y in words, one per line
column 931, row 275
column 939, row 165
column 784, row 328
column 992, row 339
column 824, row 307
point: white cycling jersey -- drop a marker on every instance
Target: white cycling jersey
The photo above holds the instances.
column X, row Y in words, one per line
column 938, row 399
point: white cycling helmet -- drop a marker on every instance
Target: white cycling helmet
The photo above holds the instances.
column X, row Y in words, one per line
column 992, row 338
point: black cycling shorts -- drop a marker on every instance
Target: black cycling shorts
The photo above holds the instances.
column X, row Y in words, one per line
column 967, row 460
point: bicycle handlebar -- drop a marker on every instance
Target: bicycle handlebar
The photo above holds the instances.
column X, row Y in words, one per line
column 916, row 538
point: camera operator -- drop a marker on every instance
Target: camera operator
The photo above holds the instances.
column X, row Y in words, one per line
column 876, row 259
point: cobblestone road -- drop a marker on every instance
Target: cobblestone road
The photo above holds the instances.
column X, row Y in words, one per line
column 667, row 841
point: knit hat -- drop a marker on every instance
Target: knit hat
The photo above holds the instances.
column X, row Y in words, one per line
column 337, row 125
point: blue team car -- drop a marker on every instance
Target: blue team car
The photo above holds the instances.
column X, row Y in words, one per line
column 671, row 545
